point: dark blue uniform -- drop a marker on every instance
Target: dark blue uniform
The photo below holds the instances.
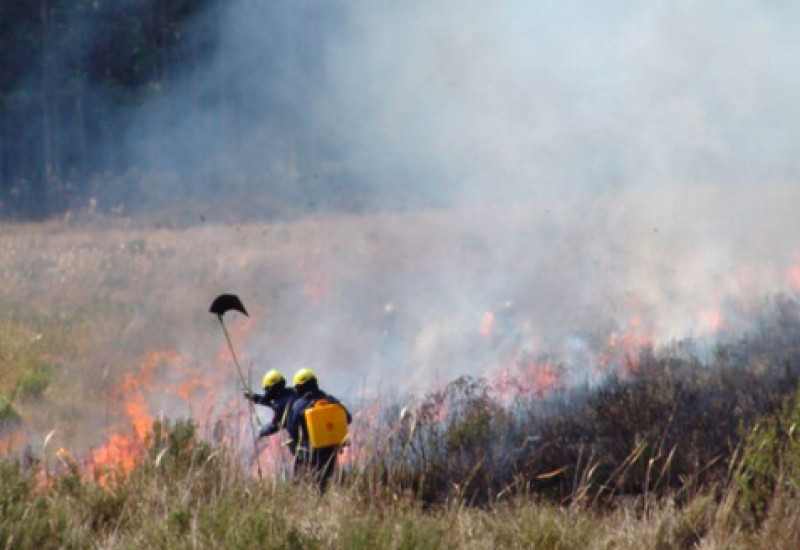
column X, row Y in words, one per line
column 281, row 405
column 318, row 462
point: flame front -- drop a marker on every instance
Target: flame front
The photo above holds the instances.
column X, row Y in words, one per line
column 624, row 346
column 124, row 450
column 167, row 374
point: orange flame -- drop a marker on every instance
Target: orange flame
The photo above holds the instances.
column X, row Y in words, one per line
column 623, row 347
column 121, row 452
column 166, row 372
column 528, row 377
column 540, row 378
column 125, row 451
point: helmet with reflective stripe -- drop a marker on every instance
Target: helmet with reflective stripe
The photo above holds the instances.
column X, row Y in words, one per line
column 303, row 377
column 273, row 378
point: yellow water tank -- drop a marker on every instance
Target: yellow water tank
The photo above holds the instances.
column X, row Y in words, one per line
column 327, row 424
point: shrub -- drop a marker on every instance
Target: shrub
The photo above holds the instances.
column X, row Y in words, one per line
column 175, row 448
column 452, row 446
column 770, row 462
column 33, row 384
column 29, row 517
column 671, row 428
column 8, row 414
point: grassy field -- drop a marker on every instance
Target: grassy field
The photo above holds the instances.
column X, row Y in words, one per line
column 695, row 446
column 192, row 495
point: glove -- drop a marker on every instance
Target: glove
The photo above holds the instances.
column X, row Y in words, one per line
column 248, row 395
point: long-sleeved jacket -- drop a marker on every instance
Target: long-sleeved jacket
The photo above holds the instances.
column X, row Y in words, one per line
column 281, row 405
column 296, row 423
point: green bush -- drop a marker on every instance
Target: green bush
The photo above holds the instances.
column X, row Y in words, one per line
column 770, row 462
column 17, row 487
column 452, row 447
column 175, row 448
column 33, row 384
column 103, row 506
column 241, row 520
column 416, row 531
column 30, row 518
column 8, row 414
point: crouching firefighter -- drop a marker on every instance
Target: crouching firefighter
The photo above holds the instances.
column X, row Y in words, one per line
column 277, row 397
column 317, row 425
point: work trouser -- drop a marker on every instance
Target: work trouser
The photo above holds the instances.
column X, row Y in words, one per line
column 316, row 464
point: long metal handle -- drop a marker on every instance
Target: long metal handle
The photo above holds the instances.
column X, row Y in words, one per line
column 244, row 386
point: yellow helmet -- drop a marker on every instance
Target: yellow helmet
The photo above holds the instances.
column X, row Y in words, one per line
column 303, row 375
column 272, row 378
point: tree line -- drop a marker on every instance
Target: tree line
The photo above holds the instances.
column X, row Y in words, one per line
column 71, row 71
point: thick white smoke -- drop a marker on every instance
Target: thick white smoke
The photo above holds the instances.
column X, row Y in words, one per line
column 591, row 163
column 613, row 167
column 548, row 98
column 559, row 176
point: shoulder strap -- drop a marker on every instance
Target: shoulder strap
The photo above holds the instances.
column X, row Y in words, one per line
column 284, row 416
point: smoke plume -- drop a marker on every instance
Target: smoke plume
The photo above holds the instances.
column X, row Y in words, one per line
column 405, row 192
column 592, row 166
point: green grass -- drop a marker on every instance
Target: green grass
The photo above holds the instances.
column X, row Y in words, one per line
column 8, row 414
column 21, row 350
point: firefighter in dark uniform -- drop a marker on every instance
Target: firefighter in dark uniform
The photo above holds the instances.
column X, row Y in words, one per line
column 318, row 463
column 277, row 397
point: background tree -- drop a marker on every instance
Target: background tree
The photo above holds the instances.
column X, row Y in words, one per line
column 71, row 69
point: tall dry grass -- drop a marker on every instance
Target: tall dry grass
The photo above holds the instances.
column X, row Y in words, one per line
column 188, row 494
column 684, row 454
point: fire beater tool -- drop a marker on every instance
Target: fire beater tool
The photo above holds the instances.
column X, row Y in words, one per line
column 219, row 307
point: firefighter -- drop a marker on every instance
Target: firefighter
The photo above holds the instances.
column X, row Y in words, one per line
column 277, row 397
column 319, row 462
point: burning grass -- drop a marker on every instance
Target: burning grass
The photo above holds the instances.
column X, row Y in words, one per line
column 673, row 427
column 678, row 448
column 679, row 453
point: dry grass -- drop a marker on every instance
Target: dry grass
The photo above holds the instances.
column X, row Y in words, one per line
column 99, row 299
column 102, row 292
column 200, row 498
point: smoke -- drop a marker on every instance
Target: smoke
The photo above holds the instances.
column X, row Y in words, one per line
column 542, row 100
column 598, row 167
column 286, row 107
column 564, row 175
column 464, row 101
